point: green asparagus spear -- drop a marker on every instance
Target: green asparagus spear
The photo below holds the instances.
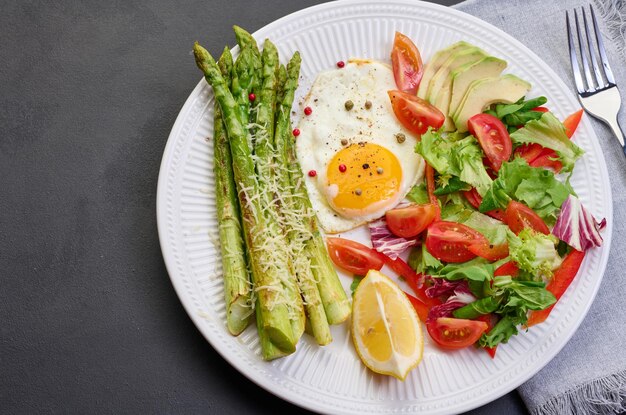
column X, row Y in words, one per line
column 275, row 315
column 245, row 39
column 237, row 285
column 268, row 350
column 333, row 295
column 295, row 218
column 265, row 165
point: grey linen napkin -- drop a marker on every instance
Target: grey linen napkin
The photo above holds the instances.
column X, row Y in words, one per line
column 589, row 374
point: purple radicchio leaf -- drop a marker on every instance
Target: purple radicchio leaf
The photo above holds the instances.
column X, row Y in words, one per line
column 459, row 292
column 577, row 227
column 387, row 243
column 443, row 287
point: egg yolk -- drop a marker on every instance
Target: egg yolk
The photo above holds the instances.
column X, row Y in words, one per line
column 363, row 178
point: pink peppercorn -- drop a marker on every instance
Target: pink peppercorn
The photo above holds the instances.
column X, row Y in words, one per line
column 341, row 64
column 342, row 168
column 295, row 132
column 312, row 173
column 251, row 96
column 308, row 111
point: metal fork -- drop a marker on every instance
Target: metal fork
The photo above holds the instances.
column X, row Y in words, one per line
column 598, row 97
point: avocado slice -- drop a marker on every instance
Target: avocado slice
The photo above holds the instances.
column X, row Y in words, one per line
column 442, row 80
column 488, row 67
column 481, row 93
column 435, row 63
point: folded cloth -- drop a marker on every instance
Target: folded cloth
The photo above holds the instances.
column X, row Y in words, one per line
column 589, row 374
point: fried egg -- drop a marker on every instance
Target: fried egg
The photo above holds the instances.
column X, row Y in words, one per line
column 357, row 159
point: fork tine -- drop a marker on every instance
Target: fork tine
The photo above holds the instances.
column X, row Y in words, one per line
column 592, row 54
column 588, row 76
column 580, row 86
column 605, row 61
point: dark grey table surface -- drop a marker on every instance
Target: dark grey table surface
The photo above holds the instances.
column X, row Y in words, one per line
column 90, row 322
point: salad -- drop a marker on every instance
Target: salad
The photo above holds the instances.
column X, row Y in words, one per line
column 496, row 233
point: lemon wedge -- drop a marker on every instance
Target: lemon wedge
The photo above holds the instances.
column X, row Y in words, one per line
column 386, row 331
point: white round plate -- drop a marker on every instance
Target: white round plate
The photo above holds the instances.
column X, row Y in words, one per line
column 332, row 379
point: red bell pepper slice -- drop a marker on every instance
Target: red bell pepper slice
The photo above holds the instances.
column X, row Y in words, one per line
column 561, row 279
column 430, row 185
column 421, row 308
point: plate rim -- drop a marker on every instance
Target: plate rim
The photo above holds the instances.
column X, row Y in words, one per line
column 257, row 377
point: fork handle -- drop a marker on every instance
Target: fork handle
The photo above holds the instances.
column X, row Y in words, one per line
column 619, row 133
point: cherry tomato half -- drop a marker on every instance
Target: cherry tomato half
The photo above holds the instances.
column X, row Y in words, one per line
column 455, row 333
column 410, row 221
column 353, row 256
column 493, row 137
column 449, row 241
column 519, row 216
column 407, row 64
column 415, row 113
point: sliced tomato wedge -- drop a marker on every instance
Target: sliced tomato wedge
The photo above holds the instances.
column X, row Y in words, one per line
column 430, row 186
column 519, row 216
column 449, row 241
column 410, row 221
column 489, row 251
column 415, row 113
column 475, row 200
column 509, row 268
column 571, row 122
column 455, row 333
column 407, row 64
column 420, row 308
column 561, row 279
column 353, row 256
column 493, row 137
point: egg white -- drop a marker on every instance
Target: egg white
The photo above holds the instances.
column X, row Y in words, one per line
column 322, row 131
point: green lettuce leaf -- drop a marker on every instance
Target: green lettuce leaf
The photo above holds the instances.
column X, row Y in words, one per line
column 462, row 158
column 536, row 187
column 549, row 132
column 418, row 194
column 422, row 261
column 534, row 252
